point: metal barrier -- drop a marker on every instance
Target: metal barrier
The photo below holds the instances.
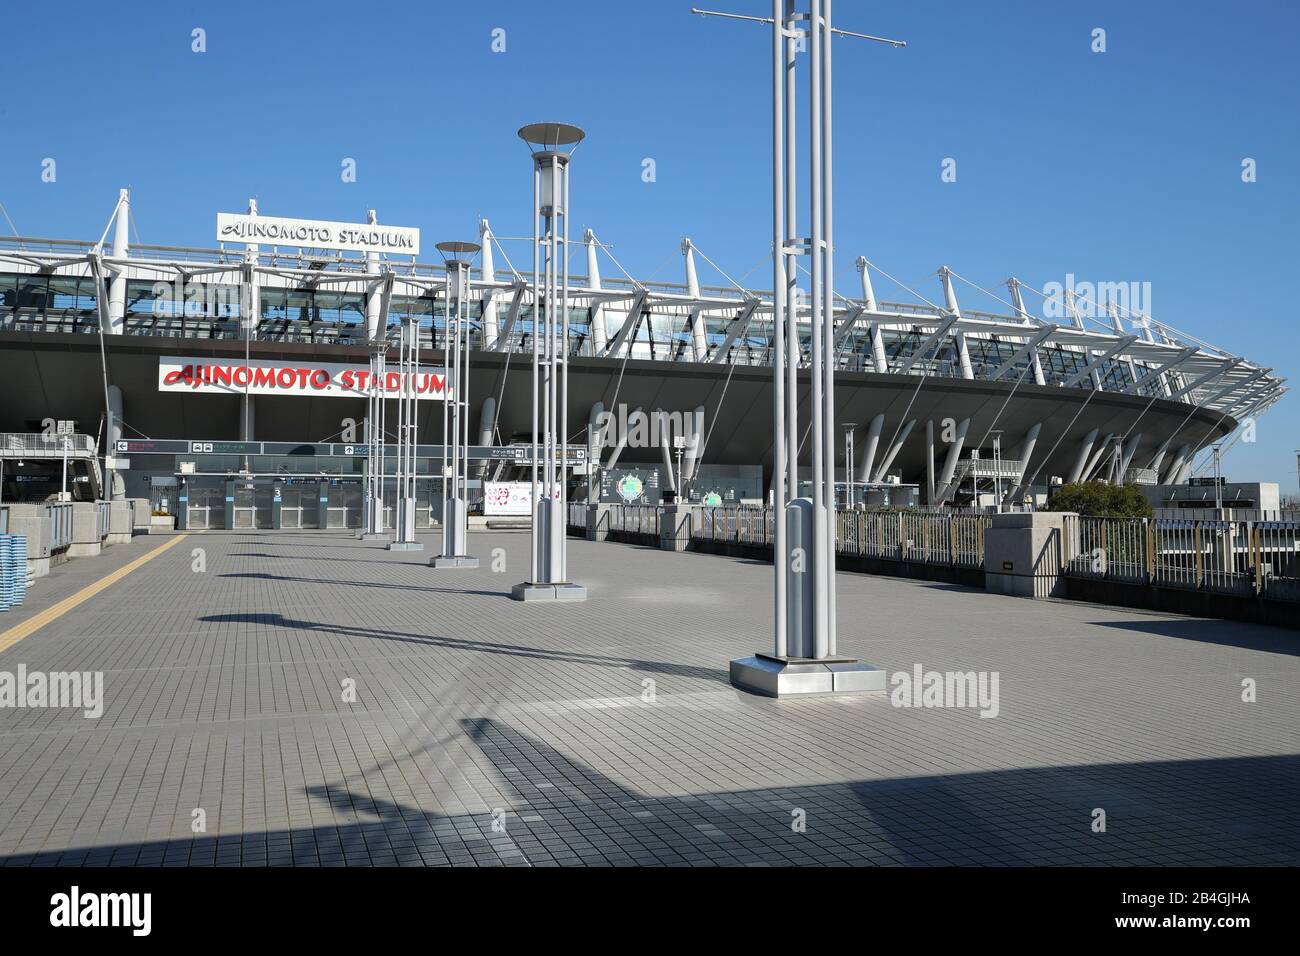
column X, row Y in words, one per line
column 639, row 520
column 1228, row 557
column 925, row 537
column 4, row 520
column 59, row 525
column 105, row 518
column 741, row 524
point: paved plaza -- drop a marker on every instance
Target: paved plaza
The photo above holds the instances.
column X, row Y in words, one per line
column 324, row 701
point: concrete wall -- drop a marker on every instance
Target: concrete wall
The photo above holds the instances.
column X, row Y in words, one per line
column 1023, row 554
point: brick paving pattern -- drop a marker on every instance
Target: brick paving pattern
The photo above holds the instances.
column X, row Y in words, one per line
column 488, row 733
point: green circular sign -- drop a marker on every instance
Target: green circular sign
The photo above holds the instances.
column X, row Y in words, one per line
column 630, row 488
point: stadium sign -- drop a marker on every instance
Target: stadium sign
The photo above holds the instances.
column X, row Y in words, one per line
column 320, row 379
column 317, row 234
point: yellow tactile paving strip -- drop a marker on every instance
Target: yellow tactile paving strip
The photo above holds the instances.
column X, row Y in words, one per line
column 55, row 611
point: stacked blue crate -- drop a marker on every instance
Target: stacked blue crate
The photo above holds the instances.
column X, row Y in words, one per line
column 13, row 570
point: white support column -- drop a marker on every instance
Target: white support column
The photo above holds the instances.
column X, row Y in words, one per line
column 1182, row 459
column 117, row 286
column 1026, row 452
column 1131, row 447
column 1098, row 454
column 1158, row 458
column 1072, row 309
column 959, row 338
column 1018, row 303
column 373, row 288
column 868, row 293
column 894, row 447
column 870, row 446
column 929, row 463
column 599, row 328
column 116, row 486
column 1085, row 450
column 694, row 440
column 949, row 294
column 670, row 475
column 878, row 355
column 1144, row 322
column 696, row 321
column 488, row 272
column 945, row 483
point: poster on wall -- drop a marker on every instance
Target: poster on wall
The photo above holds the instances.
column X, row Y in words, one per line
column 507, row 498
column 631, row 486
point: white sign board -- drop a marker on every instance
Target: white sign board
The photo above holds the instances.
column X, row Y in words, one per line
column 507, row 498
column 215, row 376
column 317, row 234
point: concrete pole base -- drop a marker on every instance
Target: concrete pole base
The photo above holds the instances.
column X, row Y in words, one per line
column 405, row 546
column 789, row 677
column 532, row 592
column 453, row 561
column 374, row 536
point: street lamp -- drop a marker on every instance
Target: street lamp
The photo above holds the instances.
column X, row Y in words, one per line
column 373, row 525
column 408, row 357
column 804, row 659
column 551, row 145
column 455, row 433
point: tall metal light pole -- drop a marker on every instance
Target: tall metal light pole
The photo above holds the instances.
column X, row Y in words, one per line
column 804, row 659
column 373, row 526
column 407, row 437
column 455, row 434
column 551, row 145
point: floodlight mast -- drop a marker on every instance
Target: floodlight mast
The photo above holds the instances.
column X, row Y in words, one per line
column 549, row 145
column 804, row 656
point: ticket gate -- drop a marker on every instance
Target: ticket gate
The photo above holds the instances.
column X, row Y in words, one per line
column 265, row 502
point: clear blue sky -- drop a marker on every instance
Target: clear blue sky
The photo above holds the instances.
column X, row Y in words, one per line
column 1119, row 166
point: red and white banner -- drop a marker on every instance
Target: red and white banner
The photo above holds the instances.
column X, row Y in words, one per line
column 321, row 379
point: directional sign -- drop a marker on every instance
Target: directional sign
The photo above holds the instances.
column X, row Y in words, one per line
column 179, row 446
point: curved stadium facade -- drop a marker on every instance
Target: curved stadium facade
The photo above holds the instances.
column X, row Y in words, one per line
column 942, row 398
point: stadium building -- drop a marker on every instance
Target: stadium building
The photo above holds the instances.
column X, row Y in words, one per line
column 230, row 384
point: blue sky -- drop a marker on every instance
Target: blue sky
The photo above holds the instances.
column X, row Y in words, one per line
column 1118, row 166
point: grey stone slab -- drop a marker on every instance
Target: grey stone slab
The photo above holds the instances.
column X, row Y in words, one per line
column 326, row 702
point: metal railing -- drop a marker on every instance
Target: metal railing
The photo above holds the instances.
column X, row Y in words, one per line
column 924, row 537
column 41, row 445
column 739, row 524
column 105, row 518
column 1249, row 558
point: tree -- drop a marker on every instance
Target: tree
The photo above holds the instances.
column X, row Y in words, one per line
column 1100, row 499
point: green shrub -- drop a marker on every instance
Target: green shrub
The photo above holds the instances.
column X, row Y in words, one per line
column 1099, row 499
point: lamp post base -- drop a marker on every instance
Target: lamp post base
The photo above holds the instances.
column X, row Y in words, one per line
column 406, row 546
column 374, row 536
column 773, row 676
column 453, row 561
column 536, row 592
